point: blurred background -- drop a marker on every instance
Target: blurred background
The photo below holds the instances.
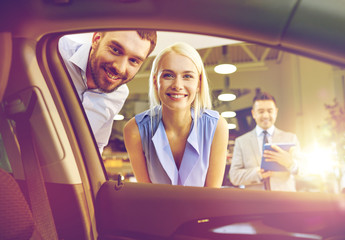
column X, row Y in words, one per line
column 309, row 94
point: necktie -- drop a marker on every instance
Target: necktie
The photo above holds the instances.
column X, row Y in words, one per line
column 266, row 180
column 265, row 139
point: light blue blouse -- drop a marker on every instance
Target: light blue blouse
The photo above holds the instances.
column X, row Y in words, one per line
column 159, row 158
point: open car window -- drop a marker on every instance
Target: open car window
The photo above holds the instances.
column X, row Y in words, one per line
column 309, row 95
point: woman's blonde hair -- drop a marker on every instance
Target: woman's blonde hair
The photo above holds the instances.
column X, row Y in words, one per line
column 202, row 99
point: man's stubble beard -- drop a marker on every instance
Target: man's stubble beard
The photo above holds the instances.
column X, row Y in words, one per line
column 96, row 77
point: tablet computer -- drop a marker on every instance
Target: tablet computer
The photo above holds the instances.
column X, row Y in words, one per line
column 274, row 166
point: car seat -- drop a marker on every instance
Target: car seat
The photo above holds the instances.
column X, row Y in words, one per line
column 16, row 220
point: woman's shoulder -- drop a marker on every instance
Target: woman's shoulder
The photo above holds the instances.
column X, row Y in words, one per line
column 208, row 113
column 147, row 115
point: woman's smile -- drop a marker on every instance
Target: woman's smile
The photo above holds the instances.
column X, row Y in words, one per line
column 176, row 96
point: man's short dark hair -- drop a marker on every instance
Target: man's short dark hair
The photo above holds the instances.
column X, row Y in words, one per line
column 264, row 96
column 150, row 35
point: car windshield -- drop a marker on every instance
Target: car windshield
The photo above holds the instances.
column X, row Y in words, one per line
column 309, row 95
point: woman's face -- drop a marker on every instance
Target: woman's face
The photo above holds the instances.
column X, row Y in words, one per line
column 177, row 81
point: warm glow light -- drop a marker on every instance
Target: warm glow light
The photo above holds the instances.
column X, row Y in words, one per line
column 203, row 220
column 226, row 97
column 225, row 68
column 119, row 117
column 320, row 160
column 231, row 126
column 228, row 114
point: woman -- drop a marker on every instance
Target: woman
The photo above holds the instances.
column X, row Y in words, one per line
column 179, row 140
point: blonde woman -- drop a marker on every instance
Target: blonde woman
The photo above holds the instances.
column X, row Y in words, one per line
column 179, row 140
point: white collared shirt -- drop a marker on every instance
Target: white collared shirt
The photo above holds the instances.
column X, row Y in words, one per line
column 260, row 135
column 100, row 107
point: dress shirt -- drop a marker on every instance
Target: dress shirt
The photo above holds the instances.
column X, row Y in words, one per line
column 260, row 135
column 100, row 107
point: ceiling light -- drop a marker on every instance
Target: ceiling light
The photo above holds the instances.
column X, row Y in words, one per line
column 226, row 94
column 225, row 68
column 228, row 114
column 231, row 125
column 226, row 97
column 119, row 117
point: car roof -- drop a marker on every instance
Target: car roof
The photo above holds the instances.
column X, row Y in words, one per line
column 308, row 27
column 312, row 28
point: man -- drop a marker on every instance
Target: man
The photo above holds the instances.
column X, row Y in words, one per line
column 100, row 71
column 245, row 166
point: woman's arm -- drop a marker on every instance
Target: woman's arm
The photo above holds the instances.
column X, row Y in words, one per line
column 135, row 151
column 215, row 173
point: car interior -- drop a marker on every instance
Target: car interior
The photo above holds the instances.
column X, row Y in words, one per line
column 55, row 184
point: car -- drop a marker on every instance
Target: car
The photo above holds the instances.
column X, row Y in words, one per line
column 50, row 164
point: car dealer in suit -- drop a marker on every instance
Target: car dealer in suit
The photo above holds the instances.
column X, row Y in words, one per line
column 245, row 165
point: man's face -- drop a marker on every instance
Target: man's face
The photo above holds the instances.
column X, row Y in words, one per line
column 115, row 58
column 265, row 113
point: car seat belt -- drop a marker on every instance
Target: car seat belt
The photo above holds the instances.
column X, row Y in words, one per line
column 39, row 201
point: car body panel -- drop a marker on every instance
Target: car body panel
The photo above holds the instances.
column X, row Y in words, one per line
column 145, row 211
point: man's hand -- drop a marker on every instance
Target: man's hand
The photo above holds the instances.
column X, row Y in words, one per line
column 265, row 174
column 280, row 156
